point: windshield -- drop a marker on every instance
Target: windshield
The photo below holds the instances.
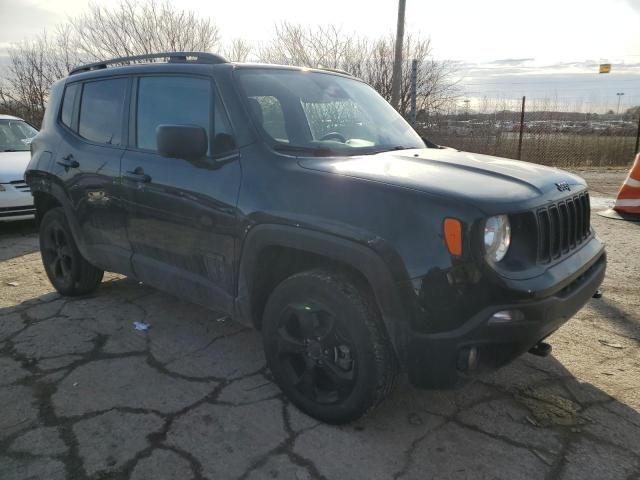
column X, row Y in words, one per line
column 320, row 113
column 15, row 135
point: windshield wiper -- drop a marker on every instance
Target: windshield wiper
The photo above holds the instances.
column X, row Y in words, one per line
column 389, row 148
column 13, row 150
column 315, row 151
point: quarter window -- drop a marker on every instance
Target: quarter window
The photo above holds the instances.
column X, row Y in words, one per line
column 101, row 111
column 68, row 104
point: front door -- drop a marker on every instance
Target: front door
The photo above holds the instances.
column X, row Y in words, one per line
column 181, row 215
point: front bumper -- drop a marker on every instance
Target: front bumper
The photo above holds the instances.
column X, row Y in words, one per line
column 15, row 204
column 434, row 358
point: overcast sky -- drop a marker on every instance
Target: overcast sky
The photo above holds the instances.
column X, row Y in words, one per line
column 503, row 48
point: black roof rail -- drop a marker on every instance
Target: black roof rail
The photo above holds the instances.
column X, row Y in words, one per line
column 172, row 57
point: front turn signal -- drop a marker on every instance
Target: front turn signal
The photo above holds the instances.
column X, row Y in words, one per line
column 453, row 236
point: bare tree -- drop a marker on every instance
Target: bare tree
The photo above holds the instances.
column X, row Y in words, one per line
column 138, row 28
column 323, row 46
column 328, row 46
column 238, row 50
column 129, row 28
column 34, row 66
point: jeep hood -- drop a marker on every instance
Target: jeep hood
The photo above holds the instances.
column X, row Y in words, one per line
column 482, row 180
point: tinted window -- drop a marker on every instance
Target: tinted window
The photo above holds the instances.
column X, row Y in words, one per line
column 101, row 111
column 267, row 111
column 171, row 100
column 67, row 104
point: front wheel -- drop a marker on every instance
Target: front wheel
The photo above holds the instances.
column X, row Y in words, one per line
column 68, row 271
column 326, row 346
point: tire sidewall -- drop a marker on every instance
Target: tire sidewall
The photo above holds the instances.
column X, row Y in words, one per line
column 56, row 218
column 314, row 287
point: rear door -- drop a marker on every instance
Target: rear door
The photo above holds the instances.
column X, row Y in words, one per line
column 93, row 118
column 181, row 215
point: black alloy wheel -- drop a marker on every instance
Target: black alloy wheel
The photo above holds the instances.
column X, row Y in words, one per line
column 326, row 345
column 57, row 254
column 316, row 354
column 68, row 271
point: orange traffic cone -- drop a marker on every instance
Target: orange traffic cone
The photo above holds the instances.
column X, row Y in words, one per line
column 627, row 206
column 628, row 200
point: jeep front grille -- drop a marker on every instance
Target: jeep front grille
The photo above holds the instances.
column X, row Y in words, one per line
column 563, row 226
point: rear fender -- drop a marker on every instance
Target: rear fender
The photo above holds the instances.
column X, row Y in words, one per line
column 43, row 182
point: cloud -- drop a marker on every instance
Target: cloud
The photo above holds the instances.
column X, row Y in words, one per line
column 634, row 4
column 511, row 61
column 567, row 83
column 22, row 19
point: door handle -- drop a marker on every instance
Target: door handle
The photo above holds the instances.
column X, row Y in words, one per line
column 137, row 175
column 68, row 162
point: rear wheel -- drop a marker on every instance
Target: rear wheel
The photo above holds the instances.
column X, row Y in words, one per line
column 68, row 271
column 326, row 347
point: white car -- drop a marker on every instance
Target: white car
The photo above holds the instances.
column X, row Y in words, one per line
column 16, row 202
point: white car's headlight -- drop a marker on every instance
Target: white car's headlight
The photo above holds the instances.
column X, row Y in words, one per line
column 497, row 237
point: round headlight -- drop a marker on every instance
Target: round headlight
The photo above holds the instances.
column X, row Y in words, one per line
column 497, row 237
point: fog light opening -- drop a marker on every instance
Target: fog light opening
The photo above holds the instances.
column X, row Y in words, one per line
column 468, row 359
column 506, row 316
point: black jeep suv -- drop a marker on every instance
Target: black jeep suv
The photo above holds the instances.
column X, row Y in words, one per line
column 299, row 202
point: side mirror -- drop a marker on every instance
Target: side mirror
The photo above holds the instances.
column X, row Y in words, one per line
column 188, row 142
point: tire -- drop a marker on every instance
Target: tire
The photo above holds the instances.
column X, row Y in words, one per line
column 326, row 346
column 68, row 271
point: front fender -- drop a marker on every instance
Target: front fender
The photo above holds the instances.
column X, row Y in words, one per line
column 375, row 260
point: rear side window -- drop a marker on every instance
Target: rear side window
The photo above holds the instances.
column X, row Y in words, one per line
column 101, row 111
column 68, row 104
column 171, row 100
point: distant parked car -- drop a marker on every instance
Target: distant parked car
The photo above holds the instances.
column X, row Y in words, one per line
column 16, row 202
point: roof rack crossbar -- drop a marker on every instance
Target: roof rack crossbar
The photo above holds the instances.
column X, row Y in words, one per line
column 172, row 57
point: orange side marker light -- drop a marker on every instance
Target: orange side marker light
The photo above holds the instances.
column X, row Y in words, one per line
column 453, row 236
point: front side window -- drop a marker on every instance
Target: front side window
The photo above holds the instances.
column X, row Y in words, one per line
column 101, row 111
column 171, row 100
column 322, row 112
column 15, row 136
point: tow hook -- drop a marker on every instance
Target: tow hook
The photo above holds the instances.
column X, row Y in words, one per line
column 541, row 349
column 597, row 294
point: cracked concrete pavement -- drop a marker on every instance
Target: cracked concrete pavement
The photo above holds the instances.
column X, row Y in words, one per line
column 86, row 396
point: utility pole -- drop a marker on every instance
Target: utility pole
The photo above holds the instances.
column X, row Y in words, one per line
column 619, row 94
column 397, row 60
column 414, row 93
column 638, row 134
column 521, row 129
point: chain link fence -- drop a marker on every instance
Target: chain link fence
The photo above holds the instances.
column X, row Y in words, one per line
column 549, row 133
